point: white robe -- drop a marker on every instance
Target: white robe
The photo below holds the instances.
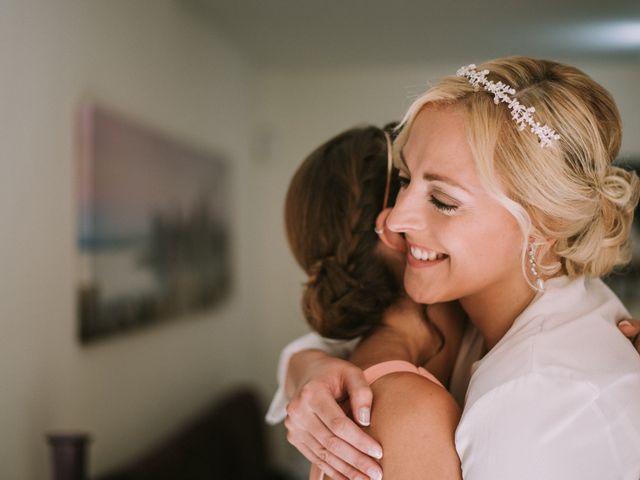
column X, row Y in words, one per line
column 557, row 398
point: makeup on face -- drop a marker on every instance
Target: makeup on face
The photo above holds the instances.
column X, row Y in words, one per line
column 445, row 197
column 460, row 241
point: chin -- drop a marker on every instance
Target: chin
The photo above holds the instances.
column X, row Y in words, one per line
column 430, row 292
column 422, row 292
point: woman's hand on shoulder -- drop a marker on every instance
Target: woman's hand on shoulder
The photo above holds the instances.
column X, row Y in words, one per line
column 318, row 426
column 631, row 330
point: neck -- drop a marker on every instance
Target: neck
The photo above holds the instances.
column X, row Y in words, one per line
column 494, row 310
column 404, row 335
column 406, row 319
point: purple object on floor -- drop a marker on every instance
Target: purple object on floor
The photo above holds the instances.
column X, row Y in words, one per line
column 68, row 455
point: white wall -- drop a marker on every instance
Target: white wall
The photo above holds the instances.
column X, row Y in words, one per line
column 159, row 64
column 302, row 108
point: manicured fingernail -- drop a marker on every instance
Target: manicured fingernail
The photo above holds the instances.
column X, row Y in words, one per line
column 364, row 416
column 624, row 323
column 374, row 474
column 376, row 453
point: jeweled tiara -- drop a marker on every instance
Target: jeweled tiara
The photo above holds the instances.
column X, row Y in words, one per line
column 502, row 93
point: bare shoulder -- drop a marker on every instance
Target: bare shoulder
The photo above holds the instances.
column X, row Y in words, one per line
column 407, row 397
column 415, row 420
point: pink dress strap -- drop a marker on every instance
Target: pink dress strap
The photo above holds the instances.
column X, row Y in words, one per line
column 379, row 370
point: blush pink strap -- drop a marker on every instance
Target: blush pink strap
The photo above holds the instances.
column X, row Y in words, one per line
column 378, row 370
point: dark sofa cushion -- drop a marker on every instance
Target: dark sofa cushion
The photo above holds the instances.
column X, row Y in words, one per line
column 226, row 442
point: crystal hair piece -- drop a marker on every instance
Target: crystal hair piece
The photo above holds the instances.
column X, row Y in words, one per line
column 502, row 92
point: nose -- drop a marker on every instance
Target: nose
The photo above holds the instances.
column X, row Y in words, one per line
column 408, row 214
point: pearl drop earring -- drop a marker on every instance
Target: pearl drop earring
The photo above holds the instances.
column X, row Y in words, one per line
column 534, row 268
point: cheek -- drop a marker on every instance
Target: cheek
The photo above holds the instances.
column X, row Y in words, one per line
column 492, row 246
column 482, row 250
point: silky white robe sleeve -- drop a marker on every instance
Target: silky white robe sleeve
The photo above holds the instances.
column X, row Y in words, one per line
column 551, row 427
column 336, row 348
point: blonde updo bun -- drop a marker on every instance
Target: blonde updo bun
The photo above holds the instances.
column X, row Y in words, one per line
column 605, row 243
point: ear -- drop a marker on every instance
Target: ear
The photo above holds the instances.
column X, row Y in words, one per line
column 395, row 241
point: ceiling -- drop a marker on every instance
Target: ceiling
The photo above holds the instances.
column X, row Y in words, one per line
column 299, row 33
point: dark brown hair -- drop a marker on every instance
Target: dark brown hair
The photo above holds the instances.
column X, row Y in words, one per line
column 330, row 212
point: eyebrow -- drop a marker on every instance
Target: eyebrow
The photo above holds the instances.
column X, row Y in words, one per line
column 432, row 176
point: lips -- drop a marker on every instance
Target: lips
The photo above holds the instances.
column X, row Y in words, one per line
column 419, row 256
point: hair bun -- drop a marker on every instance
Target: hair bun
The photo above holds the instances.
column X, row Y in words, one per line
column 619, row 186
column 331, row 272
column 324, row 296
column 336, row 305
column 607, row 243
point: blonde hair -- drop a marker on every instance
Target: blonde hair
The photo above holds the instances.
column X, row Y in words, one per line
column 568, row 196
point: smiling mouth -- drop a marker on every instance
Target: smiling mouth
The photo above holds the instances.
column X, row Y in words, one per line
column 425, row 255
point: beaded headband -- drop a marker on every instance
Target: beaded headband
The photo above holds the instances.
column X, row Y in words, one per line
column 502, row 93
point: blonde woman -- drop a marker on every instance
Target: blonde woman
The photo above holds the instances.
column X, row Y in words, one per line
column 510, row 203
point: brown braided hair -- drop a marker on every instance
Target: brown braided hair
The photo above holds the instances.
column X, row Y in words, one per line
column 330, row 211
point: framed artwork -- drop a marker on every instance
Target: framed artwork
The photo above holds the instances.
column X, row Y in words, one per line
column 153, row 226
column 626, row 281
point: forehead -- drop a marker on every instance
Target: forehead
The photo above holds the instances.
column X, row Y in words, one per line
column 437, row 145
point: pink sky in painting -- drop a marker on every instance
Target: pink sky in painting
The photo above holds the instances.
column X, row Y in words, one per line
column 129, row 171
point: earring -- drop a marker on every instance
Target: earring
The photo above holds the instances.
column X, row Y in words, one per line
column 379, row 231
column 534, row 268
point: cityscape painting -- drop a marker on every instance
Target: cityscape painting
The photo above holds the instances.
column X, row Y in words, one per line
column 153, row 226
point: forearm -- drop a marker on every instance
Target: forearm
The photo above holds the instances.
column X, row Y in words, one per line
column 310, row 341
column 299, row 365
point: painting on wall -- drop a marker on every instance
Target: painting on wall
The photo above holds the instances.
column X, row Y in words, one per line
column 153, row 226
column 626, row 281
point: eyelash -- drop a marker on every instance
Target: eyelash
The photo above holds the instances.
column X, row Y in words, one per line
column 443, row 207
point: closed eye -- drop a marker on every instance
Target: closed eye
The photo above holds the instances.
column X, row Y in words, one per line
column 443, row 207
